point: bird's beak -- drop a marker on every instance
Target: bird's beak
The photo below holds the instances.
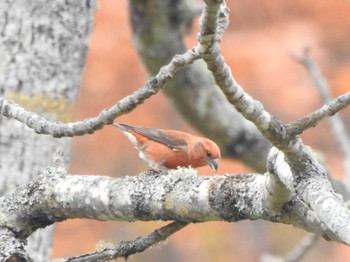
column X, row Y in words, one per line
column 213, row 163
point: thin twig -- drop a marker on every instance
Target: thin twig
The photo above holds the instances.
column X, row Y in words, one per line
column 320, row 81
column 311, row 120
column 302, row 248
column 107, row 116
column 295, row 254
column 128, row 248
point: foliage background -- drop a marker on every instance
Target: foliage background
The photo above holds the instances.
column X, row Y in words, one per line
column 256, row 46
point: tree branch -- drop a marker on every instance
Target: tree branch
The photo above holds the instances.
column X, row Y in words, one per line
column 296, row 254
column 315, row 190
column 178, row 195
column 311, row 120
column 125, row 105
column 211, row 24
column 309, row 178
column 12, row 248
column 128, row 248
column 295, row 190
column 310, row 65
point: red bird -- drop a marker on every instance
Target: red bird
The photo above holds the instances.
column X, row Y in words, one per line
column 169, row 149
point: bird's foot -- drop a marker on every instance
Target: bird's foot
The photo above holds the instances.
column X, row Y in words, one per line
column 158, row 171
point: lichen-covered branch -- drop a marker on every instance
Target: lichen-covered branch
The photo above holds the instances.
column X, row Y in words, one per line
column 309, row 178
column 295, row 190
column 43, row 49
column 315, row 190
column 179, row 195
column 58, row 129
column 11, row 247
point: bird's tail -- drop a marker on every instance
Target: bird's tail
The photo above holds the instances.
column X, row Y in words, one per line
column 121, row 126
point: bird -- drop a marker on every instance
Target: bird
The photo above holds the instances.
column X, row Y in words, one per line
column 169, row 149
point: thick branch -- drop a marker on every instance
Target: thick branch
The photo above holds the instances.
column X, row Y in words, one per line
column 179, row 195
column 313, row 187
column 12, row 248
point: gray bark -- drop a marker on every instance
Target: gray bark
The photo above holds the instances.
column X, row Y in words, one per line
column 179, row 195
column 295, row 190
column 43, row 47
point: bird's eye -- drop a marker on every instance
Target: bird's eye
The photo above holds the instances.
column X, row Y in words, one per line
column 208, row 154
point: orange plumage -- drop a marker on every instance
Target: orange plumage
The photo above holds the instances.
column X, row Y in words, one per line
column 169, row 149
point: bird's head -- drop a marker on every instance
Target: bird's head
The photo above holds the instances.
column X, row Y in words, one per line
column 212, row 153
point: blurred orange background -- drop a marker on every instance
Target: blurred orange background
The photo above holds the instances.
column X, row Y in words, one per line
column 256, row 46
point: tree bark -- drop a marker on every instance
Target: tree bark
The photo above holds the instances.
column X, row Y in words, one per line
column 43, row 48
column 179, row 195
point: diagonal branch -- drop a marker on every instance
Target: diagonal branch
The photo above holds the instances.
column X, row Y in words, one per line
column 315, row 72
column 296, row 254
column 211, row 24
column 125, row 105
column 307, row 243
column 311, row 120
column 128, row 248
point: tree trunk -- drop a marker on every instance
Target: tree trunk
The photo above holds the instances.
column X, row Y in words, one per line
column 43, row 48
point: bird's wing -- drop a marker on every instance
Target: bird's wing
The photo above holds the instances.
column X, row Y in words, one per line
column 173, row 142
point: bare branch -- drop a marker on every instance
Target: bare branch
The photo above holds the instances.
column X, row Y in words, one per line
column 251, row 109
column 315, row 72
column 312, row 119
column 336, row 123
column 297, row 253
column 317, row 192
column 295, row 190
column 180, row 195
column 305, row 245
column 128, row 248
column 127, row 104
column 309, row 178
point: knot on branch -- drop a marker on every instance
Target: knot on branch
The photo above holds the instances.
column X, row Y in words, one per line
column 57, row 165
column 279, row 181
column 277, row 166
